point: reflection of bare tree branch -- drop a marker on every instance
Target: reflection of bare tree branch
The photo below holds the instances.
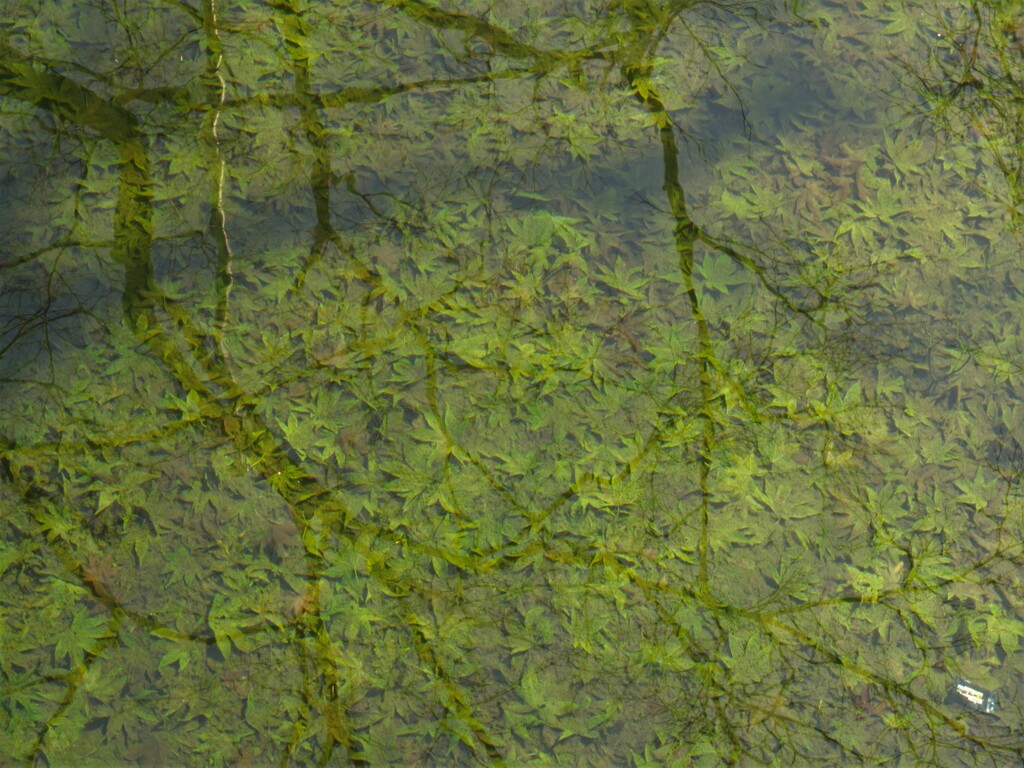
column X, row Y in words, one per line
column 687, row 234
column 37, row 253
column 210, row 377
column 801, row 628
column 973, row 87
column 132, row 248
column 20, row 327
column 22, row 78
column 778, row 621
column 498, row 40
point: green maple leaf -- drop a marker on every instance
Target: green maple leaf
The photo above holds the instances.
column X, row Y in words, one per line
column 719, row 273
column 82, row 637
column 230, row 625
column 977, row 493
column 624, row 278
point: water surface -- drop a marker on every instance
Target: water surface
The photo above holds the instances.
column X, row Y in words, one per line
column 587, row 384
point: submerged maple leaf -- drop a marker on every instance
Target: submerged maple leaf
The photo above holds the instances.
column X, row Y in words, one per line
column 280, row 538
column 100, row 574
column 302, row 604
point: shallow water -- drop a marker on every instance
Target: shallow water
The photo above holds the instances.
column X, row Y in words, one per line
column 595, row 385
